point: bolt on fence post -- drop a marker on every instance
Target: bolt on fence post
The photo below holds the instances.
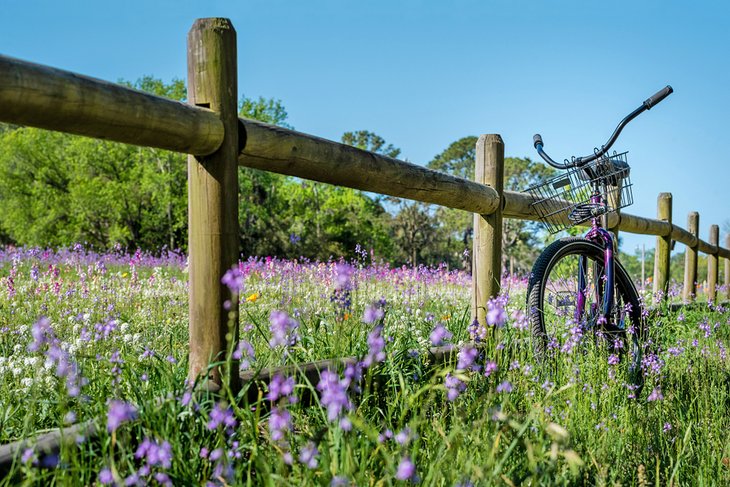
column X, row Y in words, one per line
column 689, row 291
column 713, row 264
column 213, row 202
column 663, row 250
column 487, row 243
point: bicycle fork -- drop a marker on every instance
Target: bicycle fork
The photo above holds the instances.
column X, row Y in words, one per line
column 604, row 288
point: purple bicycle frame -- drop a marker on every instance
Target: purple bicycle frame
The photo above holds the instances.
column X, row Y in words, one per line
column 602, row 237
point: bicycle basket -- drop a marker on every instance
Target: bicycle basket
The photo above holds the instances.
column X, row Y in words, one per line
column 565, row 201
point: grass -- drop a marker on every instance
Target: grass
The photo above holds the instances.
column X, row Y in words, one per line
column 121, row 321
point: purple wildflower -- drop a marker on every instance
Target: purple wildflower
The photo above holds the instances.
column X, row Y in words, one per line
column 519, row 320
column 222, row 415
column 439, row 334
column 353, row 375
column 42, row 333
column 496, row 315
column 106, row 477
column 372, row 313
column 245, row 353
column 308, row 455
column 119, row 412
column 403, row 437
column 376, row 346
column 504, row 387
column 406, row 469
column 454, row 387
column 334, row 395
column 186, row 398
column 163, row 479
column 155, row 453
column 656, row 395
column 613, row 359
column 667, row 427
column 466, row 357
column 233, row 278
column 385, row 435
column 283, row 329
column 489, row 368
column 279, row 386
column 27, row 456
column 279, row 423
column 344, row 273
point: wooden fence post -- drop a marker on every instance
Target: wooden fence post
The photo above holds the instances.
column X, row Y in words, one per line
column 690, row 259
column 487, row 245
column 713, row 264
column 663, row 250
column 213, row 200
column 727, row 269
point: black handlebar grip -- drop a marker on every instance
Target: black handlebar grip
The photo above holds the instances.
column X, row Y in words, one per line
column 658, row 96
column 537, row 139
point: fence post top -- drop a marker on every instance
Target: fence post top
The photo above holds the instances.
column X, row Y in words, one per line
column 490, row 139
column 665, row 196
column 222, row 23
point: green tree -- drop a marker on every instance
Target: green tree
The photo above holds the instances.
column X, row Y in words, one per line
column 365, row 140
column 519, row 238
column 56, row 189
column 262, row 228
column 290, row 217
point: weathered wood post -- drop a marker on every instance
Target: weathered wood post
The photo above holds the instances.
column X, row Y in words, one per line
column 690, row 259
column 663, row 246
column 213, row 199
column 487, row 246
column 713, row 264
column 727, row 269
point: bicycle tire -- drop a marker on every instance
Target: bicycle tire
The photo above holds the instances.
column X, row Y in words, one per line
column 540, row 287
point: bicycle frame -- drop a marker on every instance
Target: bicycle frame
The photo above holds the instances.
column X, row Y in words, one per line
column 602, row 237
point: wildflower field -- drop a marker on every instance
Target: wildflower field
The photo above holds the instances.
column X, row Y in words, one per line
column 103, row 339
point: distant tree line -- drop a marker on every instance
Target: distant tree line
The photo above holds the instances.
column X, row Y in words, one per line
column 58, row 189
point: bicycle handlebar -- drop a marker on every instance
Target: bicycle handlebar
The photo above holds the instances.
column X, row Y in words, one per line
column 581, row 161
column 658, row 96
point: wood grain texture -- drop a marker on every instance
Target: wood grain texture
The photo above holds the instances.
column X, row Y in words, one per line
column 213, row 200
column 48, row 98
column 663, row 251
column 284, row 151
column 487, row 242
column 713, row 264
column 689, row 290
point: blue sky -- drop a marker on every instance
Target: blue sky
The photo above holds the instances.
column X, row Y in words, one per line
column 423, row 74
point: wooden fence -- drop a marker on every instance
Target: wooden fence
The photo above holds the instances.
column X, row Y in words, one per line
column 217, row 141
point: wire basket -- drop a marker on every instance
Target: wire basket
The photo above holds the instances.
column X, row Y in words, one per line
column 567, row 200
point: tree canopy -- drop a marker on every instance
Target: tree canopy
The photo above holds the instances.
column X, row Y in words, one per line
column 58, row 189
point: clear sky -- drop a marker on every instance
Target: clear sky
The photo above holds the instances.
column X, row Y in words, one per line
column 423, row 74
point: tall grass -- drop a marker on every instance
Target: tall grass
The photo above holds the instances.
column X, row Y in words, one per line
column 117, row 329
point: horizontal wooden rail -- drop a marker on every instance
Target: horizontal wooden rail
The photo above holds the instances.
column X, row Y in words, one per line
column 39, row 96
column 48, row 443
column 284, row 151
column 100, row 109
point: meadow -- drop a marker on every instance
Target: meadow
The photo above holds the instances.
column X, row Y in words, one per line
column 103, row 338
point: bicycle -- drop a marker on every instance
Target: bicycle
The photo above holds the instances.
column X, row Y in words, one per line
column 577, row 281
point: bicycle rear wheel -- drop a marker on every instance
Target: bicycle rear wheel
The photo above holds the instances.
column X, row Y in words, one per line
column 565, row 302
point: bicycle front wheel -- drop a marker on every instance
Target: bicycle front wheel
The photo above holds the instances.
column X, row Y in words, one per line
column 566, row 302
